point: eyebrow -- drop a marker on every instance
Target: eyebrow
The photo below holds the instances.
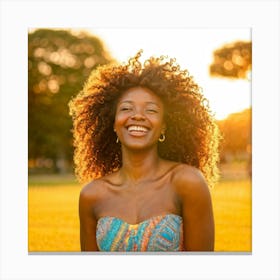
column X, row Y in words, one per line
column 148, row 102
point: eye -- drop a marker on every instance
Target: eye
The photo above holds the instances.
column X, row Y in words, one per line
column 151, row 110
column 125, row 109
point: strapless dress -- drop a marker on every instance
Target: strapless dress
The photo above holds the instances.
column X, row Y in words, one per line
column 159, row 233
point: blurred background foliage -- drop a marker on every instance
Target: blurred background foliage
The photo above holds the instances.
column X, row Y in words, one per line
column 232, row 61
column 59, row 62
column 236, row 144
column 236, row 130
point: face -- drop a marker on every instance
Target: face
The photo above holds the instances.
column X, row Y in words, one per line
column 139, row 118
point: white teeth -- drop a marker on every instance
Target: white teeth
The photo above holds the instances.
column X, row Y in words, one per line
column 137, row 128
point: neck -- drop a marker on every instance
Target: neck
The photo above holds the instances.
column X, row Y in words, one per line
column 139, row 166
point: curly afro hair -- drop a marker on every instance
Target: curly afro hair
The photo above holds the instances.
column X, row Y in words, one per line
column 192, row 136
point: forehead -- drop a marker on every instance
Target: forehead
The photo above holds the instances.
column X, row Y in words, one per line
column 139, row 94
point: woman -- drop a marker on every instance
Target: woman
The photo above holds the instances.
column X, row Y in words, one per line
column 146, row 144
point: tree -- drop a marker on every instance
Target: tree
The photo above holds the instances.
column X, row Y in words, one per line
column 232, row 61
column 236, row 132
column 59, row 62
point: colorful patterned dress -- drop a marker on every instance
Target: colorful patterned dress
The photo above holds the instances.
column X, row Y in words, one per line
column 159, row 233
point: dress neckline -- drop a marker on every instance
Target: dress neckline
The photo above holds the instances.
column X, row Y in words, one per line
column 142, row 222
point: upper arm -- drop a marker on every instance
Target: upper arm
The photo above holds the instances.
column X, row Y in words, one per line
column 87, row 221
column 197, row 212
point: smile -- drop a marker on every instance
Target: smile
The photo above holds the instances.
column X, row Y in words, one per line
column 137, row 128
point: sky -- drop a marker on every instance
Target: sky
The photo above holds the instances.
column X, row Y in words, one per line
column 193, row 49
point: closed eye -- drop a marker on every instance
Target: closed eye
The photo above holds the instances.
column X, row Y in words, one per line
column 125, row 109
column 152, row 111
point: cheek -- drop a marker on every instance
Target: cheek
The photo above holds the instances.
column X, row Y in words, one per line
column 120, row 119
column 158, row 122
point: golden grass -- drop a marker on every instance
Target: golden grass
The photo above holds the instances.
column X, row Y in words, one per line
column 53, row 222
column 232, row 211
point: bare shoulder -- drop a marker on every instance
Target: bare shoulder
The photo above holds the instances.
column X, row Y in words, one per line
column 92, row 191
column 189, row 181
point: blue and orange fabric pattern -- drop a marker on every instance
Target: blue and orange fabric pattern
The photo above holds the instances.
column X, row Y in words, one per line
column 159, row 233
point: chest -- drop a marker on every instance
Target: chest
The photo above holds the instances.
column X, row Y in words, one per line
column 137, row 203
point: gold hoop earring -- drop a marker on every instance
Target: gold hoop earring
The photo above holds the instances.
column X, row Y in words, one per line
column 161, row 138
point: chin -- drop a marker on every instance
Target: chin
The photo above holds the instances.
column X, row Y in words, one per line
column 138, row 145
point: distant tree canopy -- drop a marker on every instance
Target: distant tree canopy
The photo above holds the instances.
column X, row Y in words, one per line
column 232, row 61
column 236, row 131
column 59, row 62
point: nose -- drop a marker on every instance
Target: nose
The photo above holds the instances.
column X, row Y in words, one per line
column 138, row 116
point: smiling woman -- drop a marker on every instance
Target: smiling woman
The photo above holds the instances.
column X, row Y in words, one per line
column 146, row 144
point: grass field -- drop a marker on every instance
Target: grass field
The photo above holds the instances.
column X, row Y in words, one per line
column 232, row 212
column 53, row 222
